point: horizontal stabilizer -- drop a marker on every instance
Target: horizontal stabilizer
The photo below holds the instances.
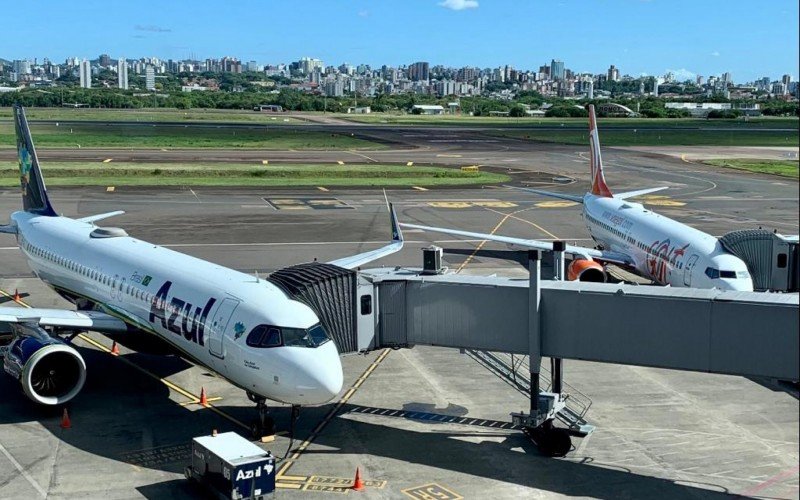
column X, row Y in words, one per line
column 95, row 218
column 570, row 197
column 639, row 192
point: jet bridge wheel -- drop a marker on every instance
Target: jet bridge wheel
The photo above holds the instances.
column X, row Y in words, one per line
column 551, row 441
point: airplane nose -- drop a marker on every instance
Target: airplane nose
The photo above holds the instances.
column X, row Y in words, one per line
column 325, row 378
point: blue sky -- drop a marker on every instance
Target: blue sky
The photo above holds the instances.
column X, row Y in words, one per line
column 705, row 37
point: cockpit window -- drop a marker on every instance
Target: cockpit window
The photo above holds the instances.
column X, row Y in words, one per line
column 273, row 336
column 717, row 273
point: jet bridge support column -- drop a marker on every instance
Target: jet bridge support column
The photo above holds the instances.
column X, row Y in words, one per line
column 534, row 333
column 560, row 274
column 538, row 424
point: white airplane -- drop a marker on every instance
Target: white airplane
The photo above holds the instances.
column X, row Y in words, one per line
column 241, row 327
column 629, row 235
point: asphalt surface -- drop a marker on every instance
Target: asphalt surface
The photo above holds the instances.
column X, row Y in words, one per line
column 660, row 433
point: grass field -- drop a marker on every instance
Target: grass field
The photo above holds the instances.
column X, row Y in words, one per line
column 215, row 174
column 609, row 136
column 143, row 136
column 784, row 168
column 533, row 122
column 154, row 115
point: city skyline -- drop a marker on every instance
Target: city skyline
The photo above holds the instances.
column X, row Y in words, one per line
column 688, row 39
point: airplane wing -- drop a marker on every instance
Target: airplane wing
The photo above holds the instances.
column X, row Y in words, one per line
column 590, row 253
column 363, row 258
column 62, row 318
column 639, row 192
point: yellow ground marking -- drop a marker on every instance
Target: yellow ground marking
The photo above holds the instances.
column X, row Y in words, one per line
column 418, row 188
column 110, row 189
column 289, row 486
column 323, row 189
column 431, row 490
column 470, row 168
column 265, row 162
column 652, row 197
column 286, row 201
column 683, row 157
column 448, row 156
column 340, row 162
column 495, row 204
column 108, row 160
column 183, row 392
column 332, row 413
column 537, row 226
column 665, row 203
column 450, row 204
column 197, row 401
column 482, row 243
column 409, row 164
column 555, row 204
column 162, row 149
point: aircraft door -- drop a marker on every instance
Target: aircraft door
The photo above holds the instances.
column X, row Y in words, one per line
column 687, row 271
column 219, row 325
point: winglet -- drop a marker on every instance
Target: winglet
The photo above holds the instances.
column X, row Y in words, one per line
column 395, row 245
column 397, row 233
column 599, row 187
column 34, row 193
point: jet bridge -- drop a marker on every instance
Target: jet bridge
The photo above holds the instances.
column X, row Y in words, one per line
column 736, row 333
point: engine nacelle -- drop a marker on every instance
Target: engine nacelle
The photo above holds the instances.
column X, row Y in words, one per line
column 50, row 371
column 586, row 270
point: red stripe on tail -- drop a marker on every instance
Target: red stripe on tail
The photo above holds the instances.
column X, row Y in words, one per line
column 599, row 187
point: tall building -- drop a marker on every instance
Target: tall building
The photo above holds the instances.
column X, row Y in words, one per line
column 699, row 80
column 613, row 74
column 150, row 78
column 104, row 60
column 22, row 67
column 641, row 87
column 419, row 72
column 122, row 74
column 556, row 69
column 786, row 80
column 590, row 89
column 655, row 87
column 85, row 70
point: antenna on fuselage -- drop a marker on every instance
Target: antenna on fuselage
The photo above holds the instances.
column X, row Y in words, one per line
column 258, row 280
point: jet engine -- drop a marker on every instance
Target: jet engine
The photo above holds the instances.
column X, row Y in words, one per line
column 586, row 270
column 51, row 372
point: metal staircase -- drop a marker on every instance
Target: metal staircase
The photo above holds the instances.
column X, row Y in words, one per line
column 515, row 370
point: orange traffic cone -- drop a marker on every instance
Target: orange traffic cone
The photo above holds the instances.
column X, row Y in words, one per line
column 115, row 349
column 358, row 484
column 203, row 398
column 17, row 297
column 65, row 423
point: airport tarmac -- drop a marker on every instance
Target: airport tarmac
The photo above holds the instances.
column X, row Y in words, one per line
column 420, row 422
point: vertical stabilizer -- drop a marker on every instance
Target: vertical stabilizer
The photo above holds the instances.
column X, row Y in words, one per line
column 599, row 186
column 34, row 193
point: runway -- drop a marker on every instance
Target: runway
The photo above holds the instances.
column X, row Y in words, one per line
column 660, row 433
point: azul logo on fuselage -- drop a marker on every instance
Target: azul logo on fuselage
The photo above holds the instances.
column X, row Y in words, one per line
column 180, row 316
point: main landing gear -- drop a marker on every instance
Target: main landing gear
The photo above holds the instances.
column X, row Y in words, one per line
column 264, row 424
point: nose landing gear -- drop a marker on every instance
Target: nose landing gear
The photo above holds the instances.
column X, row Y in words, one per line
column 264, row 424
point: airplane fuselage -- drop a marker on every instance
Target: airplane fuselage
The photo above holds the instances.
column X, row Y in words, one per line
column 204, row 310
column 663, row 249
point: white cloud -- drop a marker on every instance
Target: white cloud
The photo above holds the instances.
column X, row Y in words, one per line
column 363, row 13
column 682, row 74
column 459, row 4
column 715, row 53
